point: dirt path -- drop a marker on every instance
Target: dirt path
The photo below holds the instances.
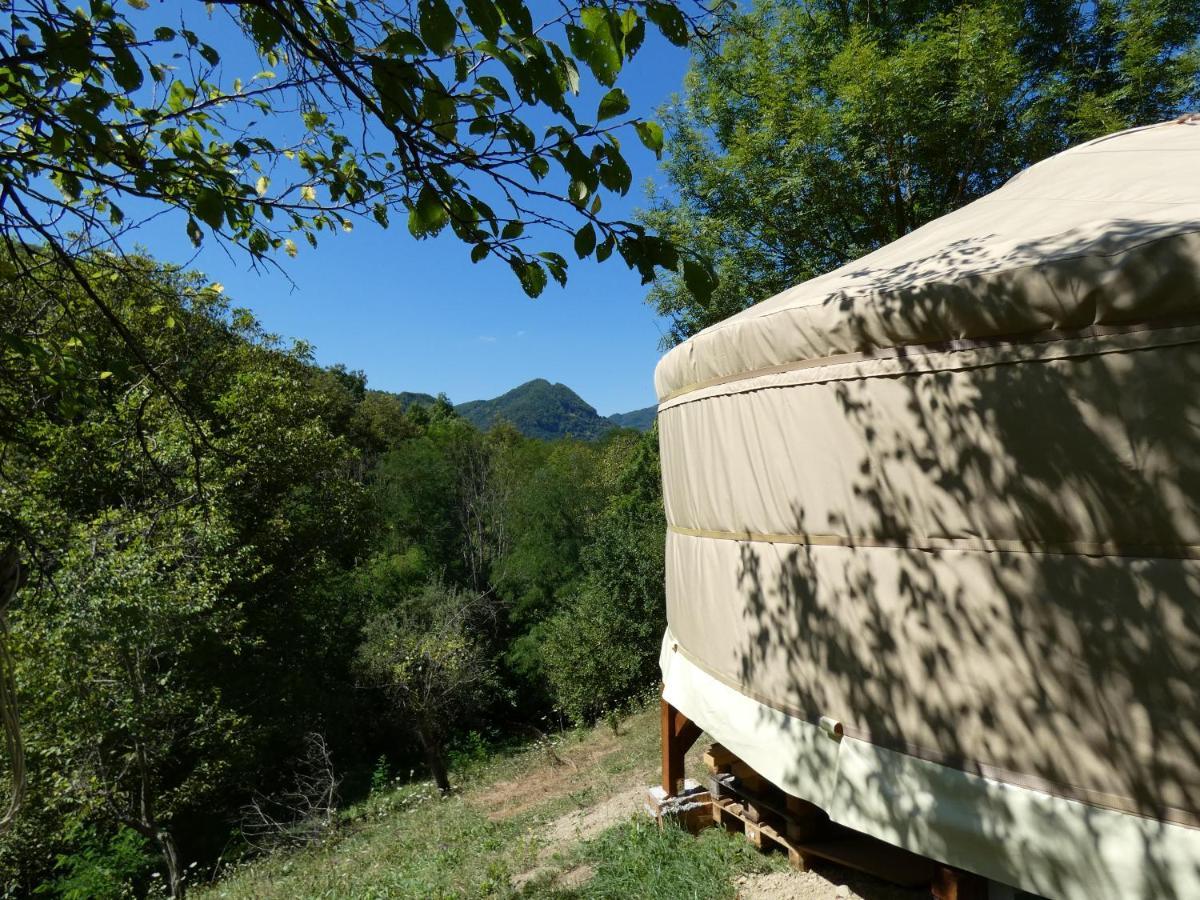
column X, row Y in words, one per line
column 566, row 769
column 578, row 826
column 831, row 883
column 828, row 883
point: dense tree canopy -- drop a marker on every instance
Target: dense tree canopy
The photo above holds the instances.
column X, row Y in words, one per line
column 819, row 130
column 326, row 561
column 161, row 566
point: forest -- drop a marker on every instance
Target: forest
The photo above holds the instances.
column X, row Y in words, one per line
column 323, row 565
column 226, row 569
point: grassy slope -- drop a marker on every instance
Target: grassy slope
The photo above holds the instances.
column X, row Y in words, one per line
column 505, row 820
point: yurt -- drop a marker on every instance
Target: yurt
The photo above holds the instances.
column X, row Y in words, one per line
column 933, row 552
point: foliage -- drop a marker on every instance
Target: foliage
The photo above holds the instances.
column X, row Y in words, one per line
column 602, row 648
column 379, row 776
column 202, row 608
column 163, row 564
column 819, row 131
column 102, row 867
column 425, row 652
column 121, row 648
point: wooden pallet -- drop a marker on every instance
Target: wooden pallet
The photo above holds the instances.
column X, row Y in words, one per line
column 744, row 801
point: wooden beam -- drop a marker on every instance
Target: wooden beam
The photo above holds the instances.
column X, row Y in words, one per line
column 678, row 734
column 954, row 884
column 718, row 760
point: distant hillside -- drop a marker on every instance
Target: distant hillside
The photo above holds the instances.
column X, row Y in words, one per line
column 641, row 419
column 539, row 409
column 542, row 410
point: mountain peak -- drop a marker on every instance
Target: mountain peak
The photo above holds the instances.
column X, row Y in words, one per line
column 543, row 410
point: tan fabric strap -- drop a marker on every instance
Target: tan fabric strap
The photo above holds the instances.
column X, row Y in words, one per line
column 918, row 350
column 1186, row 818
column 984, row 545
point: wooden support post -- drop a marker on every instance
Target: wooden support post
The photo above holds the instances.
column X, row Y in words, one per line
column 718, row 760
column 678, row 734
column 804, row 820
column 955, row 884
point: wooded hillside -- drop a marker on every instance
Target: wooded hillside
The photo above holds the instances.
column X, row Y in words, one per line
column 288, row 565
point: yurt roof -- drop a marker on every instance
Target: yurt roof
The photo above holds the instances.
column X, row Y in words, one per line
column 1104, row 235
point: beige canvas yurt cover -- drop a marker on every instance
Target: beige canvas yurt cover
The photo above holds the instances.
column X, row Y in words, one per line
column 948, row 496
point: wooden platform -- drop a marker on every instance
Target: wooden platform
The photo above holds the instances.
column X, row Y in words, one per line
column 805, row 833
column 741, row 800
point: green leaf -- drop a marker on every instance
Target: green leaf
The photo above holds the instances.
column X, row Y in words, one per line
column 700, row 280
column 661, row 252
column 616, row 175
column 126, row 71
column 651, row 134
column 210, row 207
column 531, row 275
column 635, row 33
column 478, row 252
column 670, row 21
column 518, row 17
column 493, row 86
column 585, row 241
column 513, row 230
column 593, row 42
column 570, row 73
column 193, row 232
column 438, row 109
column 403, row 43
column 438, row 25
column 392, row 78
column 486, row 17
column 429, row 215
column 179, row 96
column 614, row 103
column 557, row 266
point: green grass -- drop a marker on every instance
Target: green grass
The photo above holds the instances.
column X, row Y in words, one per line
column 395, row 846
column 637, row 859
column 410, row 843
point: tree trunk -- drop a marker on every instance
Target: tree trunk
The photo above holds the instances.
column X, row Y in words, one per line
column 12, row 577
column 435, row 757
column 170, row 854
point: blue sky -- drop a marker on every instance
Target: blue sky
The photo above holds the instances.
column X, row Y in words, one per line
column 418, row 316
